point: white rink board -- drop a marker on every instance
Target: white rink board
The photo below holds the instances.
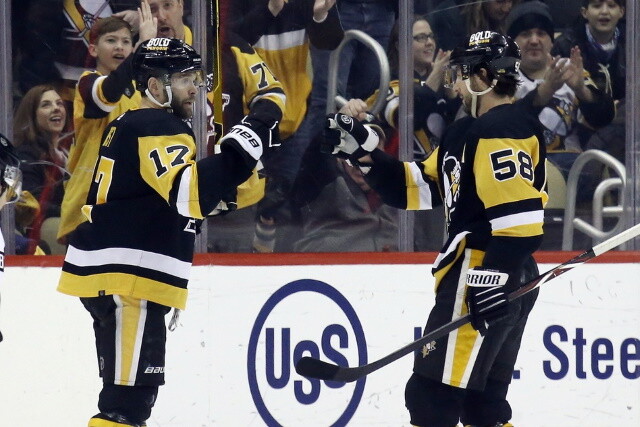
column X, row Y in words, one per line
column 48, row 373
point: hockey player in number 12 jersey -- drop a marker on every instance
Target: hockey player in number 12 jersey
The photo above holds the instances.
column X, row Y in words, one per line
column 489, row 172
column 130, row 262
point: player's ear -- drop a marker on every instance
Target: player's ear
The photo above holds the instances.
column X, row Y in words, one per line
column 155, row 86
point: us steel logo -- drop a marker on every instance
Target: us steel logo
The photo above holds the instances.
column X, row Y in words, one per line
column 304, row 318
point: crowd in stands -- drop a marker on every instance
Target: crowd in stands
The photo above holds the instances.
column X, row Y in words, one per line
column 72, row 75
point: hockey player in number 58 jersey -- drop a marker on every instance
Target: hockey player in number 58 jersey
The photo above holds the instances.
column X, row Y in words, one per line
column 130, row 262
column 489, row 172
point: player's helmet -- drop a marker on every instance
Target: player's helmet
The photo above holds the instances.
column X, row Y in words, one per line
column 160, row 57
column 486, row 49
column 10, row 174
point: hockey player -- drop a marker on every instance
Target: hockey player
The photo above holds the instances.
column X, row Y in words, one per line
column 129, row 263
column 101, row 96
column 10, row 185
column 489, row 172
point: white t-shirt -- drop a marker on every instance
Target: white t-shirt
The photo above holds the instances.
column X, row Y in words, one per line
column 560, row 116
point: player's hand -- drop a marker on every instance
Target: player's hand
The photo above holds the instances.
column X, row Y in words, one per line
column 148, row 23
column 486, row 298
column 346, row 137
column 250, row 138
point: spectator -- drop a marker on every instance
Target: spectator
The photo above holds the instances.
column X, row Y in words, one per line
column 600, row 35
column 433, row 107
column 281, row 34
column 454, row 20
column 38, row 127
column 102, row 96
column 358, row 71
column 248, row 86
column 573, row 102
column 339, row 211
column 53, row 41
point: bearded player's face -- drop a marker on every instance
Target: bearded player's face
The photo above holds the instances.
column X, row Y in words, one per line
column 184, row 87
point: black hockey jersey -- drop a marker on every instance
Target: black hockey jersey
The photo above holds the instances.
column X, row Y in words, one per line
column 146, row 195
column 489, row 173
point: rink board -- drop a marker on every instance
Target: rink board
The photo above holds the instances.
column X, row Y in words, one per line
column 230, row 362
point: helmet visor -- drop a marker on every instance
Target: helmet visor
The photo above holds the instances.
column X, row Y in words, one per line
column 186, row 79
column 452, row 73
column 12, row 183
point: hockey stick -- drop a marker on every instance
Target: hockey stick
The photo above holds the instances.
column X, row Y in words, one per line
column 314, row 368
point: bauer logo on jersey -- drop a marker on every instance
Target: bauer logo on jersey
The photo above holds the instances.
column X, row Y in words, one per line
column 331, row 331
column 480, row 37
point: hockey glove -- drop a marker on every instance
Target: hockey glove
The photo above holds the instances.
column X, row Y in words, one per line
column 486, row 298
column 250, row 137
column 346, row 137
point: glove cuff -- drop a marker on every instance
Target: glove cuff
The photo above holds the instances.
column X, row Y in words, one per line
column 247, row 139
column 483, row 278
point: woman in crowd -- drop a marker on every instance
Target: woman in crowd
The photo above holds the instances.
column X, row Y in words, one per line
column 39, row 132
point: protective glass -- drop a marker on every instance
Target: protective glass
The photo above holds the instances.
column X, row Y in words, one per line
column 451, row 75
column 186, row 79
column 12, row 178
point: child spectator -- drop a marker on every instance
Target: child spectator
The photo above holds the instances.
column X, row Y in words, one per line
column 101, row 96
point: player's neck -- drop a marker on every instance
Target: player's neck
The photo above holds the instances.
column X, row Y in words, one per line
column 491, row 100
column 147, row 103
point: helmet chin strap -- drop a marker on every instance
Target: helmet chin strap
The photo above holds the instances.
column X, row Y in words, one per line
column 167, row 89
column 476, row 94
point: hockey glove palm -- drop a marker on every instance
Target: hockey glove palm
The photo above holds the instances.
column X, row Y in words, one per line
column 486, row 298
column 346, row 137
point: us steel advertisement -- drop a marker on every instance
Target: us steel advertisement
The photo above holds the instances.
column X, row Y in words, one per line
column 231, row 360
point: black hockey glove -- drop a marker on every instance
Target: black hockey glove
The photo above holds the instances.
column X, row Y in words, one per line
column 486, row 298
column 250, row 137
column 346, row 137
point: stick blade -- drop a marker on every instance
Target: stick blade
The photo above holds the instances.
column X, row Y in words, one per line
column 314, row 368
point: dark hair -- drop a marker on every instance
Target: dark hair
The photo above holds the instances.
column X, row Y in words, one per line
column 25, row 125
column 586, row 3
column 106, row 25
column 506, row 86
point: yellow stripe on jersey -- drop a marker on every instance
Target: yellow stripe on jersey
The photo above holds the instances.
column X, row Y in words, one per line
column 464, row 343
column 504, row 170
column 122, row 284
column 131, row 315
column 162, row 159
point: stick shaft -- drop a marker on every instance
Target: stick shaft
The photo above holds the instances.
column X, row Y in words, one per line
column 318, row 369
